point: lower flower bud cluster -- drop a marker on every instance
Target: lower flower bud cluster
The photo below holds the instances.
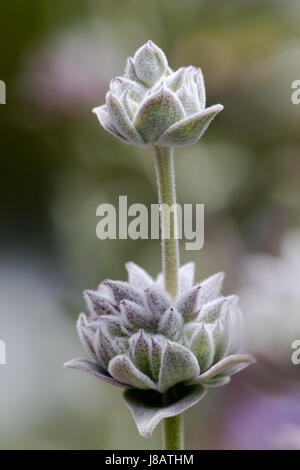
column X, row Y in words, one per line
column 138, row 337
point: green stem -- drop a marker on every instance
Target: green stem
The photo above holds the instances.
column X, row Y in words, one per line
column 173, row 433
column 164, row 166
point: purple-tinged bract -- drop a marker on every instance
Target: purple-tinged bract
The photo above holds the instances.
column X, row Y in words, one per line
column 137, row 337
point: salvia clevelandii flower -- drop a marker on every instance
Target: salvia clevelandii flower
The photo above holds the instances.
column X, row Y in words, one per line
column 141, row 340
column 152, row 105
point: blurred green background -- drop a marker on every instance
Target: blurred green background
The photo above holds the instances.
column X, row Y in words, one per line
column 58, row 165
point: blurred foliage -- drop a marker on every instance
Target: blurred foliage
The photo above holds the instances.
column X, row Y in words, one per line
column 58, row 165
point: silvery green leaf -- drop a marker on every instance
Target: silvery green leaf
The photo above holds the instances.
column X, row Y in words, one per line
column 157, row 113
column 157, row 301
column 120, row 84
column 111, row 323
column 225, row 365
column 94, row 369
column 129, row 105
column 231, row 319
column 158, row 344
column 237, row 368
column 176, row 79
column 147, row 407
column 178, row 364
column 140, row 352
column 187, row 332
column 106, row 291
column 201, row 87
column 124, row 291
column 122, row 344
column 104, row 346
column 106, row 122
column 210, row 289
column 150, row 63
column 84, row 336
column 186, row 277
column 220, row 340
column 121, row 120
column 188, row 303
column 170, row 323
column 188, row 96
column 194, row 78
column 129, row 71
column 228, row 325
column 211, row 311
column 190, row 129
column 98, row 304
column 137, row 277
column 217, row 381
column 123, row 370
column 134, row 317
column 203, row 347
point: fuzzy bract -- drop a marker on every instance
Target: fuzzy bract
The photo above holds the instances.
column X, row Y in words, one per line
column 164, row 352
column 152, row 105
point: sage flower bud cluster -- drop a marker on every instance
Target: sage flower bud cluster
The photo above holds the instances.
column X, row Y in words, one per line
column 152, row 105
column 140, row 339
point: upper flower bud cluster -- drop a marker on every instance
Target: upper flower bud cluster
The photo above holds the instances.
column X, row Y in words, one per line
column 152, row 105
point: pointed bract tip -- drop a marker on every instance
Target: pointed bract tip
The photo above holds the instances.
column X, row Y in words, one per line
column 219, row 107
column 220, row 275
column 82, row 320
column 69, row 364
